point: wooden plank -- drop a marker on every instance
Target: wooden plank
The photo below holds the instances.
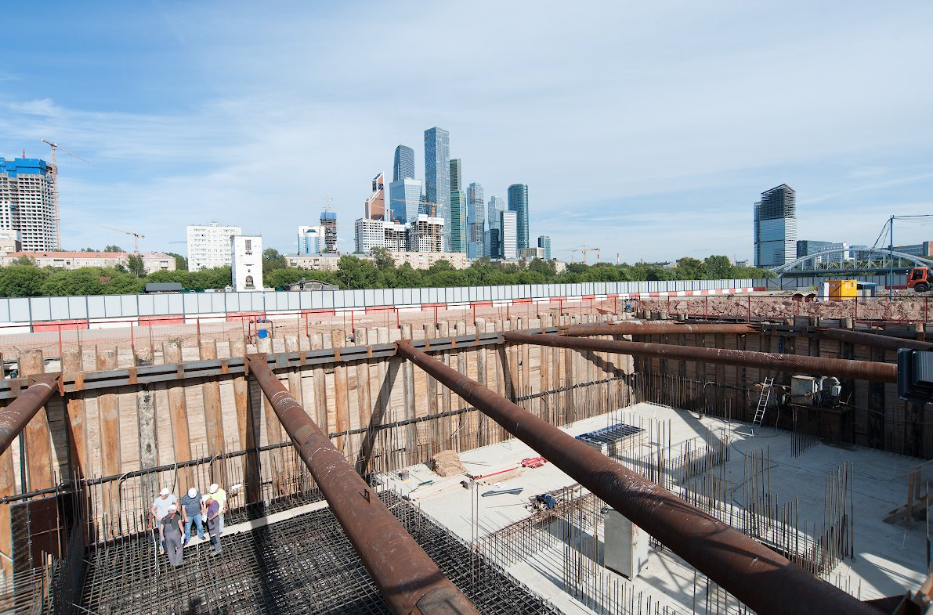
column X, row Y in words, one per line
column 247, row 420
column 75, row 414
column 320, row 386
column 178, row 412
column 213, row 416
column 338, row 340
column 146, row 423
column 108, row 413
column 364, row 402
column 36, row 433
column 408, row 385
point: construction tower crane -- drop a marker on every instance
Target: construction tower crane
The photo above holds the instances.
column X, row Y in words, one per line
column 56, row 146
column 136, row 236
column 584, row 249
column 433, row 214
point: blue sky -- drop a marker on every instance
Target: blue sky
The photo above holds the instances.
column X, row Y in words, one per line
column 646, row 129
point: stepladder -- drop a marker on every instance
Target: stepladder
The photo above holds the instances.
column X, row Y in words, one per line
column 762, row 403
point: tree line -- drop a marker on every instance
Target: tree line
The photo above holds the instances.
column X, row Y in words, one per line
column 25, row 279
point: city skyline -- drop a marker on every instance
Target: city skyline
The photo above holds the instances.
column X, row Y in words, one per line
column 178, row 120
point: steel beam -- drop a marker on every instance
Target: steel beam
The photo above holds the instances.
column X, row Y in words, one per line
column 820, row 366
column 753, row 573
column 15, row 417
column 410, row 582
column 873, row 340
column 636, row 327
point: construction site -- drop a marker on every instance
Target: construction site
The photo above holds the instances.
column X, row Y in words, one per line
column 647, row 455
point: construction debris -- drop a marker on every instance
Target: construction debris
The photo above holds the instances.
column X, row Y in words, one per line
column 447, row 463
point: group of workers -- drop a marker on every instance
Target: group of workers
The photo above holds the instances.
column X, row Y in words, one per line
column 174, row 519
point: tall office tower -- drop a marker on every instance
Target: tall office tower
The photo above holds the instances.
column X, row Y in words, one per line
column 404, row 165
column 27, row 203
column 329, row 222
column 369, row 234
column 209, row 246
column 493, row 241
column 518, row 202
column 509, row 230
column 476, row 221
column 458, row 209
column 404, row 200
column 544, row 242
column 437, row 175
column 776, row 227
column 376, row 203
column 310, row 240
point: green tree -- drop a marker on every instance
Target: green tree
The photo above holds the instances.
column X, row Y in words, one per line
column 718, row 267
column 546, row 268
column 135, row 266
column 272, row 260
column 282, row 277
column 356, row 273
column 383, row 258
column 690, row 269
column 26, row 261
column 21, row 280
column 84, row 281
column 181, row 263
column 112, row 248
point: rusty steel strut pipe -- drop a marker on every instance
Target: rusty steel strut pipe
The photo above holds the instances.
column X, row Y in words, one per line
column 659, row 328
column 753, row 573
column 410, row 582
column 820, row 366
column 15, row 417
column 873, row 340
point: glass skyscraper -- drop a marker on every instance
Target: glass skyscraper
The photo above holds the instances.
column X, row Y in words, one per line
column 404, row 165
column 405, row 198
column 437, row 175
column 493, row 243
column 544, row 242
column 518, row 202
column 776, row 227
column 508, row 229
column 476, row 218
column 458, row 209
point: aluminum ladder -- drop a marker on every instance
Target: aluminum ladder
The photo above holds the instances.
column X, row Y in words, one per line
column 762, row 403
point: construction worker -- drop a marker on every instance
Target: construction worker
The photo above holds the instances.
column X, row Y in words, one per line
column 214, row 517
column 220, row 496
column 160, row 508
column 171, row 531
column 191, row 513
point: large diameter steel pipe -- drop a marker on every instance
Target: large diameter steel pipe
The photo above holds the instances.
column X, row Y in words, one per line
column 820, row 366
column 756, row 575
column 410, row 582
column 873, row 340
column 15, row 417
column 659, row 328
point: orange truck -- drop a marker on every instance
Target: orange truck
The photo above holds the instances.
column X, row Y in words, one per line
column 919, row 279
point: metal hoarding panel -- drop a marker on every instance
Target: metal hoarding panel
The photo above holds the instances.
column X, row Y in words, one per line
column 218, row 303
column 40, row 308
column 147, row 305
column 407, row 296
column 19, row 310
column 340, row 298
column 327, row 299
column 4, row 310
column 231, row 302
column 129, row 306
column 58, row 306
column 204, row 303
column 77, row 307
column 95, row 307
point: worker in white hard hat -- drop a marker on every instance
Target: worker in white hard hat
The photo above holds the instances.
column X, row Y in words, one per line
column 170, row 531
column 220, row 496
column 160, row 509
column 191, row 513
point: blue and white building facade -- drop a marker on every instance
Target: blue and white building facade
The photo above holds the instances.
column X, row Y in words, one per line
column 27, row 203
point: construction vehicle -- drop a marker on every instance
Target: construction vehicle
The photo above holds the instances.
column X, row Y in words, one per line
column 919, row 279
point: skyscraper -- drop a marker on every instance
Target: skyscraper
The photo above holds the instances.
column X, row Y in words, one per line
column 776, row 227
column 404, row 200
column 27, row 203
column 518, row 202
column 404, row 165
column 376, row 203
column 493, row 242
column 544, row 242
column 509, row 232
column 458, row 209
column 329, row 222
column 310, row 240
column 437, row 175
column 476, row 218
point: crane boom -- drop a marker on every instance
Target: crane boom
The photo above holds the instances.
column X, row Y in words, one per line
column 56, row 146
column 136, row 236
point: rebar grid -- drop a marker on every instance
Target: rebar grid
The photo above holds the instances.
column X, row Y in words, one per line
column 301, row 565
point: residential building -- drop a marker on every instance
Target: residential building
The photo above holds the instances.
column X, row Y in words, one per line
column 209, row 246
column 529, row 254
column 369, row 234
column 310, row 240
column 508, row 229
column 544, row 242
column 426, row 234
column 424, row 260
column 321, row 262
column 404, row 200
column 376, row 203
column 329, row 222
column 10, row 241
column 518, row 202
column 437, row 174
column 152, row 261
column 404, row 165
column 395, row 237
column 775, row 220
column 247, row 262
column 476, row 221
column 458, row 209
column 493, row 241
column 27, row 203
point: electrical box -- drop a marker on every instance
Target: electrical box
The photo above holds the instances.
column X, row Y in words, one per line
column 803, row 390
column 626, row 545
column 843, row 290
